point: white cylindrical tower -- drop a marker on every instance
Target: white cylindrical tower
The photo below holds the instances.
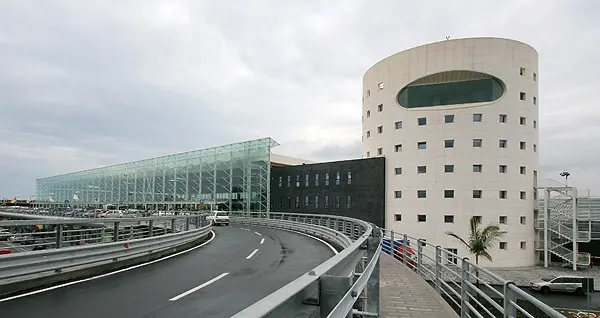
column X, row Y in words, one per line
column 457, row 121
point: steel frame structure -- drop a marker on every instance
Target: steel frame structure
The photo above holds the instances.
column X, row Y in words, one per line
column 235, row 175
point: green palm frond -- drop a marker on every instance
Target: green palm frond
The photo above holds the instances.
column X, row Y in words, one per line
column 481, row 240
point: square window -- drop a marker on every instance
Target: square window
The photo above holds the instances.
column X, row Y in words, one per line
column 477, row 219
column 398, row 194
column 522, row 71
column 502, row 194
column 523, row 220
column 422, row 218
column 380, row 107
column 398, row 170
column 379, row 151
column 368, row 92
column 448, row 218
column 502, row 118
column 397, row 217
column 379, row 129
column 534, row 77
column 534, row 148
column 502, row 143
column 502, row 219
column 368, row 113
column 522, row 120
column 421, row 194
column 380, row 85
column 477, row 143
column 368, row 134
column 398, row 148
column 523, row 145
column 448, row 194
column 534, row 100
column 477, row 118
column 422, row 121
column 398, row 124
column 502, row 168
column 522, row 96
column 477, row 168
column 368, row 154
column 522, row 170
column 535, row 124
column 523, row 195
column 448, row 168
column 421, row 169
column 503, row 245
column 477, row 194
column 422, row 145
column 449, row 143
column 523, row 245
column 448, row 119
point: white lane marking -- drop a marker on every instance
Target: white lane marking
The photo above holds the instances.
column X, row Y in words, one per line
column 108, row 274
column 245, row 229
column 262, row 240
column 258, row 234
column 198, row 287
column 252, row 254
column 313, row 237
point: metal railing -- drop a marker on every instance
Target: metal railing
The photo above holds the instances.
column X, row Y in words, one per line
column 52, row 245
column 346, row 284
column 473, row 291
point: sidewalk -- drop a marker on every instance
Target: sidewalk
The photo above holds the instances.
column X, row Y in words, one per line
column 404, row 294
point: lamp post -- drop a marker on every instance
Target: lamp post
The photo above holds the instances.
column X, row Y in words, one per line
column 566, row 175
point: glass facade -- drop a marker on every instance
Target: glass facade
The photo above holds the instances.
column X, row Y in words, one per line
column 236, row 177
column 456, row 92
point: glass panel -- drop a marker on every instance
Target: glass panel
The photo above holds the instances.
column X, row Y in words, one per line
column 451, row 93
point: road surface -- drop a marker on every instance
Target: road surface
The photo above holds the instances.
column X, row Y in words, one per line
column 239, row 267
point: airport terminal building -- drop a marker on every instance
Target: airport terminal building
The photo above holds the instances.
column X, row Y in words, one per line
column 450, row 131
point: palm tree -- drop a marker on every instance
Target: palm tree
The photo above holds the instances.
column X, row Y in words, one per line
column 480, row 240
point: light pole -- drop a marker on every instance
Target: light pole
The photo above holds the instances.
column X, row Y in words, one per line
column 566, row 175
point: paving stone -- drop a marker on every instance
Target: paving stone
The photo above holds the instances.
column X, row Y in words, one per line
column 404, row 294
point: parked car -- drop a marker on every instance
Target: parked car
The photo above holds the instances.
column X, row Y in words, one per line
column 4, row 234
column 570, row 284
column 4, row 251
column 398, row 252
column 218, row 218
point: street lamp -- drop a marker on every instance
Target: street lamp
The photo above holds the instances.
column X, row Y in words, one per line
column 566, row 175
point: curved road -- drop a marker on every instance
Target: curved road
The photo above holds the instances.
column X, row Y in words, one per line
column 216, row 280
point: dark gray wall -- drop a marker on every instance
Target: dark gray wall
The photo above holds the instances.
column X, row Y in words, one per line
column 366, row 190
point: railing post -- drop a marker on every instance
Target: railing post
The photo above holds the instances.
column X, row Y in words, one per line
column 187, row 224
column 116, row 232
column 419, row 256
column 438, row 269
column 510, row 311
column 59, row 235
column 405, row 243
column 464, row 289
column 150, row 228
column 173, row 226
column 372, row 302
column 331, row 291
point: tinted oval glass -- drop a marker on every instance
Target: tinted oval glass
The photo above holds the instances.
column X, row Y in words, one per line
column 451, row 93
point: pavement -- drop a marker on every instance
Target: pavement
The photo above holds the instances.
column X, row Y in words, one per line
column 238, row 268
column 405, row 294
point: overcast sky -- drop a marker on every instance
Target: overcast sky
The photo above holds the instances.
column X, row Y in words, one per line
column 90, row 83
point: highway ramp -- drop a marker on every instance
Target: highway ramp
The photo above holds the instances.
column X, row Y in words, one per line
column 239, row 267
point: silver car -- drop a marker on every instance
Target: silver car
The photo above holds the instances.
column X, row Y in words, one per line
column 570, row 284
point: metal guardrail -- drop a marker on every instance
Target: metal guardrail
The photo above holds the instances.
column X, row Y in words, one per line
column 346, row 284
column 79, row 242
column 471, row 289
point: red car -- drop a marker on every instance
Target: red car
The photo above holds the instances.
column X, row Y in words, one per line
column 411, row 256
column 4, row 251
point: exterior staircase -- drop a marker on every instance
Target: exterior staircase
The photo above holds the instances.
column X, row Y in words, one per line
column 559, row 215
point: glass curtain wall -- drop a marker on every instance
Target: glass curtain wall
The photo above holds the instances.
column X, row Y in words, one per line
column 235, row 177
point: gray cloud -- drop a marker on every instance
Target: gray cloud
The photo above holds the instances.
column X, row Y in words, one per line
column 90, row 83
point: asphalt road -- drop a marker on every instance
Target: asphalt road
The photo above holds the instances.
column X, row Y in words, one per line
column 217, row 280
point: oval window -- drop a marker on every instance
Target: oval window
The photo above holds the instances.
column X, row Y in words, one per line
column 451, row 88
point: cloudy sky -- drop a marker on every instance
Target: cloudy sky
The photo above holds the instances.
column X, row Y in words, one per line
column 90, row 83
